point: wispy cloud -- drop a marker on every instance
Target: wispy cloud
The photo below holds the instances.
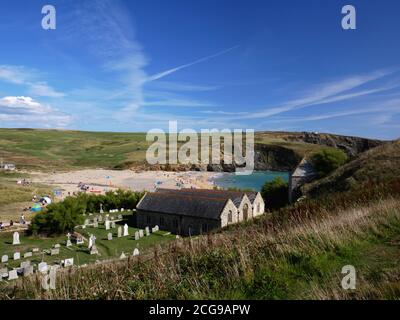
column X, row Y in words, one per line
column 20, row 75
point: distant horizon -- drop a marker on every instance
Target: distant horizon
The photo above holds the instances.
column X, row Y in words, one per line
column 143, row 132
column 133, row 65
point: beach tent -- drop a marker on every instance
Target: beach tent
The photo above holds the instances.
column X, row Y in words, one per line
column 36, row 207
column 46, row 199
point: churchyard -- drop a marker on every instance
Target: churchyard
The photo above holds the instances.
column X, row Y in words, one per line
column 110, row 236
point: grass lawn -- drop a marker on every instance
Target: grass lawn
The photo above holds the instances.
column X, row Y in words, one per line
column 107, row 249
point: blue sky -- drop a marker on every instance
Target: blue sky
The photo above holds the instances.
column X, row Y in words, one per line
column 263, row 65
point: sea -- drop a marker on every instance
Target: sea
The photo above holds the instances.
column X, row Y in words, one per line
column 255, row 181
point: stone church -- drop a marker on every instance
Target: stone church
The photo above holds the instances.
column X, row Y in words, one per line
column 191, row 212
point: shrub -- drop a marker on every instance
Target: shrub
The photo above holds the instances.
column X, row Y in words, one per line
column 275, row 193
column 328, row 160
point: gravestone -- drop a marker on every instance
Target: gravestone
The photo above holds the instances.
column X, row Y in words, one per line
column 17, row 256
column 122, row 209
column 42, row 267
column 96, row 224
column 28, row 270
column 68, row 240
column 137, row 237
column 113, row 224
column 122, row 256
column 126, row 233
column 3, row 273
column 16, row 238
column 120, row 216
column 25, row 264
column 141, row 234
column 28, row 255
column 100, row 218
column 68, row 262
column 147, row 230
column 107, row 224
column 109, row 236
column 55, row 252
column 57, row 246
column 4, row 259
column 12, row 275
column 136, row 252
column 119, row 232
column 79, row 240
column 156, row 228
column 101, row 208
column 86, row 222
column 93, row 250
column 35, row 250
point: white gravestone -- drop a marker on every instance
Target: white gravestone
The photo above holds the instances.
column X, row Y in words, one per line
column 141, row 234
column 68, row 240
column 119, row 232
column 42, row 267
column 68, row 262
column 113, row 224
column 17, row 256
column 109, row 236
column 107, row 224
column 136, row 252
column 28, row 255
column 137, row 237
column 122, row 256
column 35, row 250
column 147, row 230
column 16, row 238
column 57, row 246
column 25, row 264
column 93, row 250
column 12, row 275
column 4, row 259
column 126, row 233
column 96, row 224
column 55, row 252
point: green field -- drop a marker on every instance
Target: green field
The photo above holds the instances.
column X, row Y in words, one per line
column 107, row 249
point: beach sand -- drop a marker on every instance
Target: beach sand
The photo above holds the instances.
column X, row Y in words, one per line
column 100, row 180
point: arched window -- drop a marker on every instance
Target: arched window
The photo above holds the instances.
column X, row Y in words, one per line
column 258, row 208
column 230, row 216
column 245, row 212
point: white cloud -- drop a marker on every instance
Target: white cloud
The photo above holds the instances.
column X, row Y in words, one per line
column 25, row 111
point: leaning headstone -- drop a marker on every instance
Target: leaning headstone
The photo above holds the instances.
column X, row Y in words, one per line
column 12, row 275
column 42, row 267
column 55, row 252
column 16, row 238
column 119, row 232
column 126, row 233
column 147, row 231
column 109, row 236
column 28, row 270
column 141, row 234
column 122, row 256
column 137, row 237
column 68, row 262
column 4, row 259
column 17, row 256
column 136, row 252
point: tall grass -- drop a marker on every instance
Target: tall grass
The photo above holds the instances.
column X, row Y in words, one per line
column 258, row 260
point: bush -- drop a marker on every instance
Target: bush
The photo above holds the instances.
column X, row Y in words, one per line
column 275, row 193
column 328, row 160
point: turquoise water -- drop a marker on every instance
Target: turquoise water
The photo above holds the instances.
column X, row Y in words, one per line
column 254, row 181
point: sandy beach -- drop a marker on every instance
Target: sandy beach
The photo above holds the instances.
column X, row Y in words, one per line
column 100, row 181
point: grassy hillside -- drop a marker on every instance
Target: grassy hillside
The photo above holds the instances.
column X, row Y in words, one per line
column 60, row 150
column 256, row 260
column 377, row 165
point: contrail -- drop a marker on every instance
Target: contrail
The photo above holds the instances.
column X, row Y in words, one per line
column 170, row 71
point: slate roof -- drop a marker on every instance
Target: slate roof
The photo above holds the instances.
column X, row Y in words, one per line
column 200, row 203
